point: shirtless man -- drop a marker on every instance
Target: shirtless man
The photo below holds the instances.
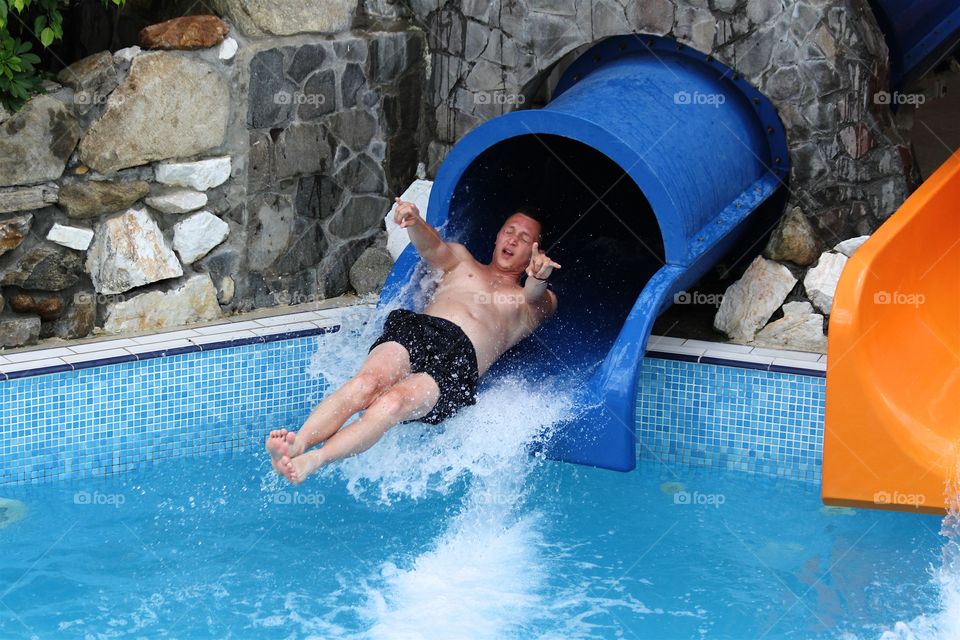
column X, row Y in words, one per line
column 425, row 366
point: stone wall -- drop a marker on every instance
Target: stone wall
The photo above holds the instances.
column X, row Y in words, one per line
column 149, row 189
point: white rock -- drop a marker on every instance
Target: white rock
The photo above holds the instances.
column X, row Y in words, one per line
column 821, row 280
column 397, row 239
column 227, row 289
column 194, row 237
column 200, row 175
column 71, row 237
column 799, row 329
column 179, row 201
column 847, row 247
column 127, row 54
column 193, row 301
column 129, row 251
column 228, row 49
column 750, row 301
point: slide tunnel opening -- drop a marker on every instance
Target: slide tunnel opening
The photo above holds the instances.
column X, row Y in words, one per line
column 598, row 226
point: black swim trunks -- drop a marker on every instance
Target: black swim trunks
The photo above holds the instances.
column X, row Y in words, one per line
column 440, row 349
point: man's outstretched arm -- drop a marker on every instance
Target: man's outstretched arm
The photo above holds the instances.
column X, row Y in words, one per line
column 425, row 238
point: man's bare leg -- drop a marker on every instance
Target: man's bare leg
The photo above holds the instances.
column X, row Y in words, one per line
column 387, row 364
column 411, row 398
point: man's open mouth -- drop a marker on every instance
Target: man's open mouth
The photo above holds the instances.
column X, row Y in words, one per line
column 507, row 252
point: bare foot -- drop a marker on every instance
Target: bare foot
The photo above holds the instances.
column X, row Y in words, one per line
column 280, row 444
column 298, row 469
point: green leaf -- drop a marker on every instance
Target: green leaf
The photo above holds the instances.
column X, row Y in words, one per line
column 39, row 24
column 47, row 36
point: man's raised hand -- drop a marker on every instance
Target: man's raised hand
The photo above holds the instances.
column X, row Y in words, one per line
column 540, row 266
column 406, row 214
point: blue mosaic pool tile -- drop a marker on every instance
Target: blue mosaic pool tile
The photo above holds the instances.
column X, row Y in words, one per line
column 743, row 419
column 107, row 418
column 112, row 419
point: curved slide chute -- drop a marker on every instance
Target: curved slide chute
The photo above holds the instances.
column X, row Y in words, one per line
column 892, row 422
column 650, row 164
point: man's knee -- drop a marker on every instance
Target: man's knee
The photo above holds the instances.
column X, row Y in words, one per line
column 395, row 401
column 366, row 386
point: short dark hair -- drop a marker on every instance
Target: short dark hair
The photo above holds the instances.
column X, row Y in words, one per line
column 534, row 214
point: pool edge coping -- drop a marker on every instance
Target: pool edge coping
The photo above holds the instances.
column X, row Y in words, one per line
column 272, row 328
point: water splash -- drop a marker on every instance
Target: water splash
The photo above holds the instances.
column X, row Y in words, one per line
column 483, row 576
column 945, row 623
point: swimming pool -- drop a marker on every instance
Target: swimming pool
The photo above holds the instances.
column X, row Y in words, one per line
column 451, row 532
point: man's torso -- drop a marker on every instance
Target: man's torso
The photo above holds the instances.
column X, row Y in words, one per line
column 494, row 315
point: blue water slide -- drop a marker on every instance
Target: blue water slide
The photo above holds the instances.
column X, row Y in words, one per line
column 652, row 163
column 919, row 34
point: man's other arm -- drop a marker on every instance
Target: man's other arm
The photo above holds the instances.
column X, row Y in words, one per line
column 429, row 244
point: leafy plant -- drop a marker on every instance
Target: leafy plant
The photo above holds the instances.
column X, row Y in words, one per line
column 24, row 23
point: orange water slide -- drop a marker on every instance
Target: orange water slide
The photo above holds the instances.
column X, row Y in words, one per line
column 892, row 423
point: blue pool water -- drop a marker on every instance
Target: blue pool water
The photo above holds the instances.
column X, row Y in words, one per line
column 455, row 532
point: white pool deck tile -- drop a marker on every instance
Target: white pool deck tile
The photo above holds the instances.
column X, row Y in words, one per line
column 718, row 346
column 258, row 325
column 682, row 350
column 228, row 327
column 737, row 357
column 214, row 338
column 96, row 355
column 32, row 364
column 664, row 341
column 785, row 353
column 30, row 356
column 166, row 337
column 104, row 345
column 274, row 321
column 164, row 345
column 800, row 364
column 283, row 328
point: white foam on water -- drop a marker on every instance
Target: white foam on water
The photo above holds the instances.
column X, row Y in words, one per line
column 943, row 624
column 484, row 575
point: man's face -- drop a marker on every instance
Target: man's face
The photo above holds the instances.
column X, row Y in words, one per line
column 515, row 242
